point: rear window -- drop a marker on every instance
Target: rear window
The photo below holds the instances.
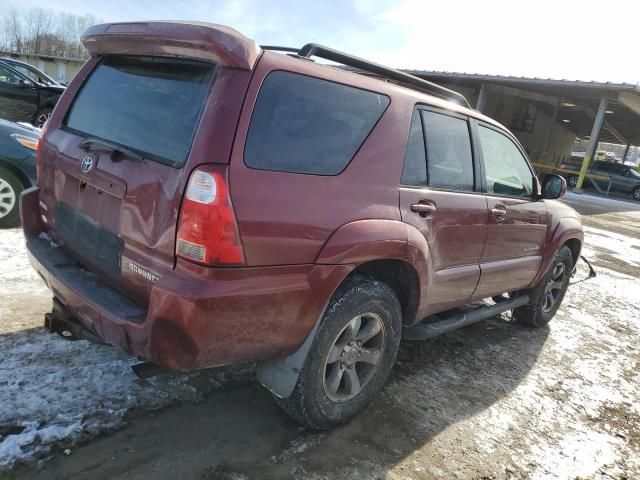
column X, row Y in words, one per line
column 151, row 105
column 302, row 124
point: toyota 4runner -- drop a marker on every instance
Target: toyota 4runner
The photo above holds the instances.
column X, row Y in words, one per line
column 203, row 201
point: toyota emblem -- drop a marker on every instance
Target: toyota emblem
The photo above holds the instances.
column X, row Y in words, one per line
column 86, row 164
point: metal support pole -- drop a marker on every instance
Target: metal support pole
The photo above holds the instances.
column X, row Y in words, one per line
column 626, row 153
column 482, row 99
column 593, row 140
column 547, row 141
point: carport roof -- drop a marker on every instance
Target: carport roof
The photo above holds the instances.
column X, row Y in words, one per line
column 578, row 100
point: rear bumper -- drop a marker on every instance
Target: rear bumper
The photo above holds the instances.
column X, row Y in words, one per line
column 197, row 317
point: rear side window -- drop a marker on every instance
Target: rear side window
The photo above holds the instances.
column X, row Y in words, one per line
column 151, row 105
column 449, row 157
column 414, row 171
column 302, row 124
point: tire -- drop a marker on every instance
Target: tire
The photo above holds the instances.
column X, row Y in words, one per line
column 572, row 181
column 636, row 194
column 10, row 189
column 42, row 116
column 318, row 401
column 544, row 304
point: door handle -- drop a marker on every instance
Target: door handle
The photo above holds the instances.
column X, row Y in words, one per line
column 499, row 212
column 423, row 208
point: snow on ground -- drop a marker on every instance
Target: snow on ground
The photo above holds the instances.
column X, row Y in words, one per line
column 625, row 203
column 550, row 403
column 52, row 389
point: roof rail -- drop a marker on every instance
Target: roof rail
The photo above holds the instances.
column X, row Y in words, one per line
column 277, row 48
column 313, row 49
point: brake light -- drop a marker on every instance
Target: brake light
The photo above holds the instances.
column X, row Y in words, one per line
column 207, row 227
column 39, row 151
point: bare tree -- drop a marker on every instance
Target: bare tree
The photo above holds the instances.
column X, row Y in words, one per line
column 13, row 31
column 43, row 32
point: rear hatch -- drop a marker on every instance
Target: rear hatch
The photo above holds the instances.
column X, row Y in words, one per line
column 115, row 161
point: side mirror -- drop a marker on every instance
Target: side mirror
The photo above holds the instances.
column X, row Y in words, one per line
column 553, row 186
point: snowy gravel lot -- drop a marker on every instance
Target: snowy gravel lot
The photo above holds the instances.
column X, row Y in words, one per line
column 492, row 401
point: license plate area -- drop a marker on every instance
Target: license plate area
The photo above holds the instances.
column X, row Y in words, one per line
column 88, row 240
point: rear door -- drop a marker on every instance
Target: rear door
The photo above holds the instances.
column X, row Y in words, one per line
column 440, row 196
column 607, row 170
column 113, row 170
column 517, row 227
column 18, row 103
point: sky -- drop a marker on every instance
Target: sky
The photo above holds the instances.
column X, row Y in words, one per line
column 563, row 39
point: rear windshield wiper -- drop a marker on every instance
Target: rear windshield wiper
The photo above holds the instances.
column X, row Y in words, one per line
column 116, row 150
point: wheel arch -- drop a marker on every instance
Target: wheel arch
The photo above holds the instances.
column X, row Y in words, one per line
column 26, row 183
column 567, row 232
column 575, row 245
column 403, row 279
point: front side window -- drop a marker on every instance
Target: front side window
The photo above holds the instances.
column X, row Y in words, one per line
column 302, row 124
column 7, row 76
column 449, row 157
column 151, row 105
column 605, row 167
column 506, row 170
column 32, row 75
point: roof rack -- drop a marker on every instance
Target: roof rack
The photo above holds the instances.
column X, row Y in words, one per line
column 276, row 48
column 315, row 50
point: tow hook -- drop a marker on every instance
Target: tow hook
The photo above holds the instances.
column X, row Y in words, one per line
column 60, row 321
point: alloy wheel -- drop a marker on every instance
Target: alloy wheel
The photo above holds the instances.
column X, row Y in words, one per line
column 7, row 198
column 554, row 287
column 42, row 119
column 354, row 357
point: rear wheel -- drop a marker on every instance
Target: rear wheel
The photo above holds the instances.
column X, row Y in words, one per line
column 351, row 357
column 572, row 181
column 10, row 188
column 636, row 193
column 547, row 296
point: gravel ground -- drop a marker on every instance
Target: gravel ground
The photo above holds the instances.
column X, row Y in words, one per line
column 491, row 401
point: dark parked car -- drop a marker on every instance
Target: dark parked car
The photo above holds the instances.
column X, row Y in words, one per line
column 203, row 201
column 624, row 178
column 26, row 93
column 18, row 146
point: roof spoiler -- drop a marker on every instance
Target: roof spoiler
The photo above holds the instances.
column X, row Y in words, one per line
column 192, row 40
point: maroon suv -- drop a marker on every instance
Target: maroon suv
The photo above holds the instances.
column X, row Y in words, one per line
column 203, row 201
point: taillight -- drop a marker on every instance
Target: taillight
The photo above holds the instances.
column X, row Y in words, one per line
column 39, row 151
column 207, row 227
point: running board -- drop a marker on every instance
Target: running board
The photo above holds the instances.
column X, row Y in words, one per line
column 422, row 331
column 147, row 370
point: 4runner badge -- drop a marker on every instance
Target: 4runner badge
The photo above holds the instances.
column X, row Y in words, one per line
column 146, row 274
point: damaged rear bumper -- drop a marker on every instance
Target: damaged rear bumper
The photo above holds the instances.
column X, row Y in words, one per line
column 197, row 317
